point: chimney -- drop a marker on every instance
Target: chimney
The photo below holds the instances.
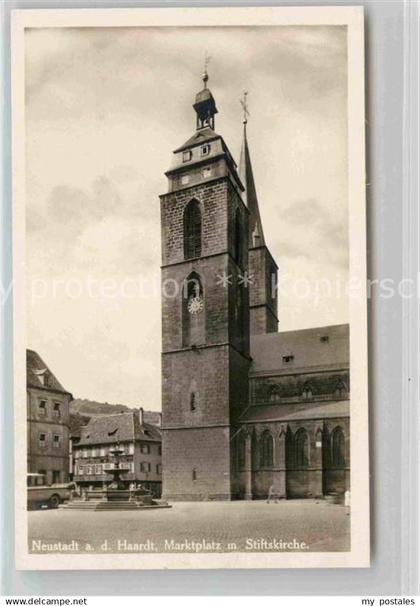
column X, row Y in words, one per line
column 141, row 416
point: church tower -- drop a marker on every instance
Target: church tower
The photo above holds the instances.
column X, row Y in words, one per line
column 263, row 298
column 205, row 312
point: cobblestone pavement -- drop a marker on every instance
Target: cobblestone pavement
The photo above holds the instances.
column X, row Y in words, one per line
column 195, row 527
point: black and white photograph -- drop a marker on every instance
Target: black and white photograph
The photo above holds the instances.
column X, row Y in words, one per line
column 192, row 273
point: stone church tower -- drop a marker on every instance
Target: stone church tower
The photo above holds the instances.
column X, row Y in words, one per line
column 245, row 407
column 205, row 312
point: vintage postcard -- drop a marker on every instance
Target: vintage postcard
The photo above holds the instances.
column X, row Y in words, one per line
column 189, row 286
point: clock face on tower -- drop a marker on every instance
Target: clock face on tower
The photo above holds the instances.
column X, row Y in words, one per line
column 195, row 305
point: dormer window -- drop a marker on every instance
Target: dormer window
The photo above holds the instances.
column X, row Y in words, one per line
column 288, row 359
column 186, row 156
column 205, row 150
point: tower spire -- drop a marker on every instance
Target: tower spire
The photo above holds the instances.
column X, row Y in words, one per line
column 256, row 234
column 205, row 105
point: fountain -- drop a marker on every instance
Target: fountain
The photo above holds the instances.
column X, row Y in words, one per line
column 115, row 495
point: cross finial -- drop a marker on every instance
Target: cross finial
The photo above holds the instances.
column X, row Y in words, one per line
column 244, row 103
column 207, row 59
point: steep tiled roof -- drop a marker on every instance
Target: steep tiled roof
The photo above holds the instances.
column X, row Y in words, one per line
column 76, row 422
column 121, row 427
column 290, row 412
column 325, row 347
column 39, row 375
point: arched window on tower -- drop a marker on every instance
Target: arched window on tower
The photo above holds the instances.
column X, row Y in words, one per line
column 192, row 230
column 266, row 450
column 301, row 449
column 193, row 316
column 237, row 238
column 338, row 445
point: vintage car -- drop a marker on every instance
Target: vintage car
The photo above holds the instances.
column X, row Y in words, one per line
column 41, row 494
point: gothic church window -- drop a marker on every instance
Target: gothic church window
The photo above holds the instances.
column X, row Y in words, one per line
column 301, row 449
column 274, row 395
column 237, row 238
column 340, row 390
column 338, row 448
column 192, row 230
column 266, row 450
column 307, row 392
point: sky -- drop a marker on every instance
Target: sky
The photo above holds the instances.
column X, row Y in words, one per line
column 105, row 108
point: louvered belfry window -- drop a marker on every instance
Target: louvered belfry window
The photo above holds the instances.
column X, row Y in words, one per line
column 192, row 230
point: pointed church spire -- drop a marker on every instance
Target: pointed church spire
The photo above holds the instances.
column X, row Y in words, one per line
column 256, row 234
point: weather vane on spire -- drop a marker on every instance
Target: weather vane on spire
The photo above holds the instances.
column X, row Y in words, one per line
column 207, row 59
column 244, row 103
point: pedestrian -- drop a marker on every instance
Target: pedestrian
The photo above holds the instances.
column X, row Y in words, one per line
column 272, row 495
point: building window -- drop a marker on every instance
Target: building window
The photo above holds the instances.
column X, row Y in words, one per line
column 185, row 179
column 145, row 467
column 205, row 150
column 301, row 449
column 56, row 441
column 288, row 359
column 192, row 230
column 57, row 409
column 158, row 469
column 275, row 395
column 340, row 390
column 266, row 450
column 194, row 475
column 237, row 238
column 192, row 402
column 307, row 392
column 159, row 449
column 186, row 155
column 42, row 440
column 338, row 448
column 206, row 172
column 42, row 408
column 131, row 449
column 56, row 476
column 145, row 448
column 324, row 338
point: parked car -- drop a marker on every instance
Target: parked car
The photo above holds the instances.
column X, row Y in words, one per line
column 41, row 494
